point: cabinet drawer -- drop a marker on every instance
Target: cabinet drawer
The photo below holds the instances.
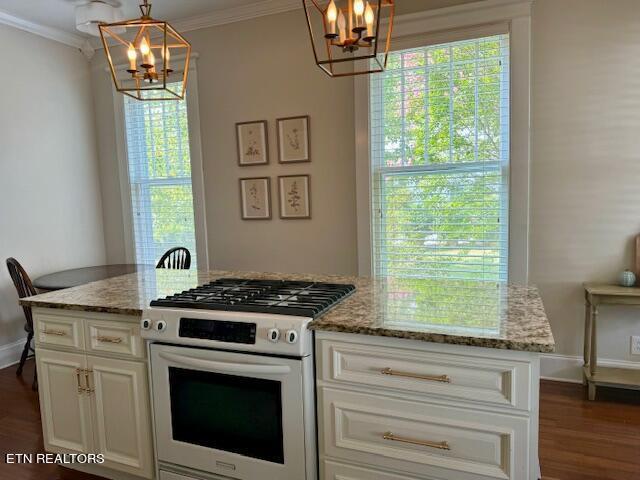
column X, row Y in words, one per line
column 475, row 379
column 330, row 470
column 59, row 330
column 423, row 439
column 114, row 337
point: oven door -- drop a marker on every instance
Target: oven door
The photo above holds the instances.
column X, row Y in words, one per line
column 234, row 414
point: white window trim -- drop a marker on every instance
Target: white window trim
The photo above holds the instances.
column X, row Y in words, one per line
column 197, row 176
column 450, row 24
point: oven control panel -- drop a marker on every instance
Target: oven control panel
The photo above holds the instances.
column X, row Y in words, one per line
column 220, row 330
column 241, row 331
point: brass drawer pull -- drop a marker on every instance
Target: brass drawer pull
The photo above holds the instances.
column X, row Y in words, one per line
column 109, row 339
column 78, row 372
column 88, row 390
column 424, row 443
column 432, row 378
column 59, row 333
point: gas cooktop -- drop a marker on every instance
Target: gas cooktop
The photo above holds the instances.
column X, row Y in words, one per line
column 283, row 297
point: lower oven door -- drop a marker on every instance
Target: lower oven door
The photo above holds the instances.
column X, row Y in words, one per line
column 234, row 414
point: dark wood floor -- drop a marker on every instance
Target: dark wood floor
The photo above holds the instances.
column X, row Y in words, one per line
column 587, row 440
column 578, row 439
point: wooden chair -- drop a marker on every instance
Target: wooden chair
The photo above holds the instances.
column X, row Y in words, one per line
column 25, row 288
column 177, row 258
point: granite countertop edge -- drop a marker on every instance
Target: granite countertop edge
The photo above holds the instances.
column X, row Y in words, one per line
column 317, row 325
column 80, row 307
column 465, row 340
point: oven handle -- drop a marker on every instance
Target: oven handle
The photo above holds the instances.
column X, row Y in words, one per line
column 225, row 367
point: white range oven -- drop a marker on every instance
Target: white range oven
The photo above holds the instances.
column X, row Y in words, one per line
column 232, row 379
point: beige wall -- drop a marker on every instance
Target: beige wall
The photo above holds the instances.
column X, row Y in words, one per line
column 584, row 157
column 262, row 77
column 586, row 161
column 50, row 213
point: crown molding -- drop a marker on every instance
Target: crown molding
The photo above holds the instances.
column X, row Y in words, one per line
column 235, row 14
column 55, row 34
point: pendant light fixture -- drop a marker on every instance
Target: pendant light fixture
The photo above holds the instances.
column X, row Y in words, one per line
column 148, row 58
column 350, row 37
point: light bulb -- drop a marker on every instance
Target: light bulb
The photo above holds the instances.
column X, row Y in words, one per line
column 332, row 12
column 342, row 25
column 166, row 54
column 151, row 60
column 369, row 17
column 144, row 46
column 358, row 7
column 131, row 53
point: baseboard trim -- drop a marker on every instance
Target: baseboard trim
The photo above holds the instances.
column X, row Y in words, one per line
column 10, row 353
column 568, row 368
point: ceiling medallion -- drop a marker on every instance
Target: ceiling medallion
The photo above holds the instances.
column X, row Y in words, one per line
column 148, row 58
column 350, row 37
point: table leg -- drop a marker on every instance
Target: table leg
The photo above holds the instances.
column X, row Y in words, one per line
column 593, row 357
column 592, row 391
column 587, row 338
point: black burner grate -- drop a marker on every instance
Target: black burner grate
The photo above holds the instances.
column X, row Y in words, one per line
column 304, row 299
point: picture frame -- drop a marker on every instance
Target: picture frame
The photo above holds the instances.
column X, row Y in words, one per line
column 252, row 143
column 294, row 193
column 294, row 139
column 255, row 198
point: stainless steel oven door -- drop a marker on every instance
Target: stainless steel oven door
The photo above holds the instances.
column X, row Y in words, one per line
column 234, row 414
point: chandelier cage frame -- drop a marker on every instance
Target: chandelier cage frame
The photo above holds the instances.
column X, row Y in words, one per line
column 171, row 40
column 374, row 60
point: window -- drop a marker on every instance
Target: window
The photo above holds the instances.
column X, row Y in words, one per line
column 159, row 163
column 439, row 119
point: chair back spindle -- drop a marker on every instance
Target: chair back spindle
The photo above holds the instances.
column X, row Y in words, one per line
column 177, row 258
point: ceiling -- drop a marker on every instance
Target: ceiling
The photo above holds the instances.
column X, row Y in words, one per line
column 60, row 14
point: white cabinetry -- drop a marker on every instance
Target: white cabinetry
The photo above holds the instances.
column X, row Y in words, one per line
column 404, row 409
column 94, row 390
column 65, row 409
column 121, row 425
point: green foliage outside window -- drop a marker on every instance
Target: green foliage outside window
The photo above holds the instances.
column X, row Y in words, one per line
column 440, row 161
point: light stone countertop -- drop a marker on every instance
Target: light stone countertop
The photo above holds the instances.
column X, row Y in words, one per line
column 457, row 312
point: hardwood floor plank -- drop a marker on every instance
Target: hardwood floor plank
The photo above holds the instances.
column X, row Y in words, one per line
column 579, row 440
column 583, row 440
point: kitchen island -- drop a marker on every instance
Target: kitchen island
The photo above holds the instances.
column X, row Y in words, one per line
column 417, row 379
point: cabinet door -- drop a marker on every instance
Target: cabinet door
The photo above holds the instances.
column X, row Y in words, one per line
column 65, row 406
column 122, row 421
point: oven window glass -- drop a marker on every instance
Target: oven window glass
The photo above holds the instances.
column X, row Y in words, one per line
column 236, row 414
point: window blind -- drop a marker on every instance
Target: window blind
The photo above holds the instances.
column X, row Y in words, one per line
column 157, row 134
column 439, row 119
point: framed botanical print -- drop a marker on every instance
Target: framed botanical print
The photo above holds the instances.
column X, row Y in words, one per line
column 253, row 147
column 293, row 139
column 295, row 197
column 255, row 198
